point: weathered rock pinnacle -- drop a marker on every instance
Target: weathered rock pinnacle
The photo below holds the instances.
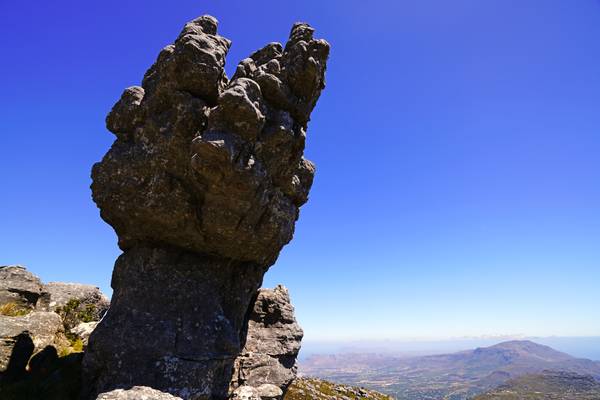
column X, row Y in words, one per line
column 203, row 186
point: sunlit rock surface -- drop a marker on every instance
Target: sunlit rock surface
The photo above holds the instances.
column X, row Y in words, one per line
column 203, row 186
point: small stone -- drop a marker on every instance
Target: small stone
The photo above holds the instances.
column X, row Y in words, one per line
column 87, row 295
column 246, row 393
column 84, row 330
column 269, row 392
column 137, row 393
column 203, row 187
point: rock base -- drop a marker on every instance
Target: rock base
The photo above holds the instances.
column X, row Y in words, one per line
column 173, row 324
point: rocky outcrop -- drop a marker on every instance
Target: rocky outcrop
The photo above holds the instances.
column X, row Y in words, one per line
column 203, row 186
column 317, row 389
column 85, row 298
column 35, row 316
column 19, row 288
column 268, row 360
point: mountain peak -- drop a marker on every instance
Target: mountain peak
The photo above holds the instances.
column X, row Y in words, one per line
column 527, row 348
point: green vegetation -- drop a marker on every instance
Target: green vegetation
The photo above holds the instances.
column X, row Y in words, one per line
column 76, row 345
column 14, row 310
column 74, row 313
column 316, row 389
column 547, row 386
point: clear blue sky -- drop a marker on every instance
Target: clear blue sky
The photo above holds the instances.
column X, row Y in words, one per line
column 457, row 145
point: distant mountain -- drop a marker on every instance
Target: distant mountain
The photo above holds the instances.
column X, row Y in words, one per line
column 546, row 386
column 455, row 376
column 317, row 389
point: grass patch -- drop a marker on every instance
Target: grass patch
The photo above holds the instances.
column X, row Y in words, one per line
column 14, row 310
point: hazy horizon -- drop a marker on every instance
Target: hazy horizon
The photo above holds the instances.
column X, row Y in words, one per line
column 581, row 347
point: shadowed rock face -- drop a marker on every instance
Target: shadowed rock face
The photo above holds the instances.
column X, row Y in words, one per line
column 203, row 187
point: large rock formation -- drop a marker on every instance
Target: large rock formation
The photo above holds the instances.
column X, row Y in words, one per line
column 203, row 186
column 89, row 298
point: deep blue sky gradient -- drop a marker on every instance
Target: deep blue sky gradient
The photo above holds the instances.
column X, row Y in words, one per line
column 457, row 146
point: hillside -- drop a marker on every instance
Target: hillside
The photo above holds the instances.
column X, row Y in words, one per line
column 548, row 385
column 455, row 376
column 316, row 389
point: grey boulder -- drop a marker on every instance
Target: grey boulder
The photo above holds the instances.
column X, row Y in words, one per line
column 245, row 393
column 203, row 186
column 39, row 328
column 87, row 296
column 137, row 393
column 19, row 287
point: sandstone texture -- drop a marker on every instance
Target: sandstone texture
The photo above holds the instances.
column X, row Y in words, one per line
column 208, row 164
column 87, row 296
column 203, row 186
column 29, row 343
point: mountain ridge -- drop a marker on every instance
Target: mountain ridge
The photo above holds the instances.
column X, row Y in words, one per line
column 546, row 386
column 456, row 376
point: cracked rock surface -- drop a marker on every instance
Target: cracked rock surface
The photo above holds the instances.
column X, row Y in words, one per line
column 203, row 186
column 268, row 360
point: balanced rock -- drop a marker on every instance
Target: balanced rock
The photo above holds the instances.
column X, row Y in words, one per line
column 203, row 186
